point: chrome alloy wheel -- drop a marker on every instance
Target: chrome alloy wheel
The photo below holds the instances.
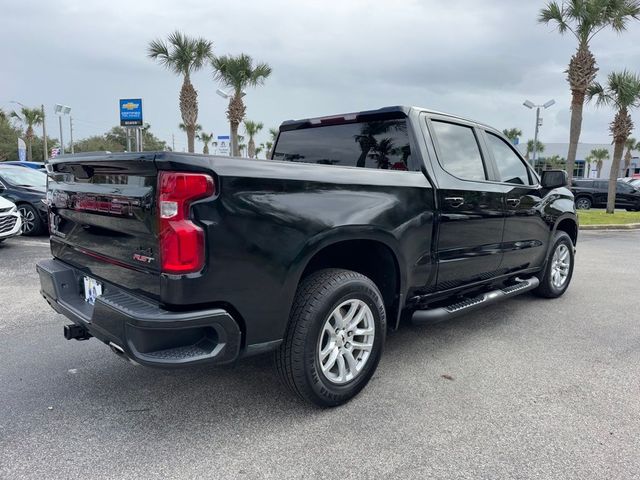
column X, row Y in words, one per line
column 560, row 266
column 28, row 219
column 346, row 341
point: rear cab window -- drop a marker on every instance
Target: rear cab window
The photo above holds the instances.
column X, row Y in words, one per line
column 458, row 150
column 377, row 143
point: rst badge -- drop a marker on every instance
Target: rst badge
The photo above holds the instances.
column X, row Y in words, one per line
column 146, row 256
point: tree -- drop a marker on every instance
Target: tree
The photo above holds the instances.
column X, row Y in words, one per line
column 631, row 144
column 30, row 117
column 585, row 19
column 597, row 156
column 268, row 149
column 205, row 138
column 555, row 162
column 115, row 140
column 512, row 134
column 9, row 135
column 252, row 128
column 622, row 92
column 241, row 145
column 183, row 55
column 238, row 73
column 259, row 149
column 531, row 148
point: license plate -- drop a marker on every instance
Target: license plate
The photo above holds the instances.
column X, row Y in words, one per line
column 92, row 290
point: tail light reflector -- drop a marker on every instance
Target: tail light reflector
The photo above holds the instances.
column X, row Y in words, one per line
column 182, row 248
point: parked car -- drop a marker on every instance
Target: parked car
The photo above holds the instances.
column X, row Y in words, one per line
column 35, row 165
column 10, row 220
column 357, row 221
column 635, row 183
column 593, row 193
column 27, row 189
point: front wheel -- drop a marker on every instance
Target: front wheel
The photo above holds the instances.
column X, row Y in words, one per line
column 334, row 339
column 559, row 269
column 31, row 222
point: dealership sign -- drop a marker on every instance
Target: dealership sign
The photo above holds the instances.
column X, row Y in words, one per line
column 131, row 112
column 223, row 147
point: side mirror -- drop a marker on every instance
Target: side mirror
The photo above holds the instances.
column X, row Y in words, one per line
column 554, row 179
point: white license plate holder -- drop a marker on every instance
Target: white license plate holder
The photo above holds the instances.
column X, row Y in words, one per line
column 92, row 290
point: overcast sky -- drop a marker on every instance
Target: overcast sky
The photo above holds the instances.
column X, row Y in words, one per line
column 476, row 59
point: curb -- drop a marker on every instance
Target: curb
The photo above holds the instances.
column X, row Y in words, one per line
column 626, row 226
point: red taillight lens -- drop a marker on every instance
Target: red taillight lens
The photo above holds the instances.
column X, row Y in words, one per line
column 181, row 241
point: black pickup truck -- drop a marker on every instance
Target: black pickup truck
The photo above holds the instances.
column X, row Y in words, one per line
column 357, row 222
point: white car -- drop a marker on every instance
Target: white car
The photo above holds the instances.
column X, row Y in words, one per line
column 10, row 220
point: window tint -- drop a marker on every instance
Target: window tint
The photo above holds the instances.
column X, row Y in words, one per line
column 510, row 168
column 602, row 185
column 377, row 144
column 459, row 152
column 624, row 188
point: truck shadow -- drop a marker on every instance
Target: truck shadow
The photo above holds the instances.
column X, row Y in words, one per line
column 144, row 401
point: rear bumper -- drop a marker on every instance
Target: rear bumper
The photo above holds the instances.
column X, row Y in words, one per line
column 146, row 333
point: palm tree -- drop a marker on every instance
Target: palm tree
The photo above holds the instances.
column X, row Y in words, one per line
column 241, row 145
column 183, row 55
column 252, row 128
column 238, row 73
column 205, row 138
column 555, row 162
column 30, row 117
column 259, row 149
column 531, row 148
column 622, row 92
column 631, row 144
column 512, row 134
column 597, row 156
column 585, row 19
column 381, row 152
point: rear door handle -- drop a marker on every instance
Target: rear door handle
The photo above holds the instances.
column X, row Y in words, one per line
column 455, row 202
column 513, row 202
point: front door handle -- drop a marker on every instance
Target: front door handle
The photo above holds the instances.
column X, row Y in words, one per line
column 513, row 202
column 454, row 202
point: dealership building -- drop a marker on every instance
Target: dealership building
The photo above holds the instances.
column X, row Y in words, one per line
column 581, row 167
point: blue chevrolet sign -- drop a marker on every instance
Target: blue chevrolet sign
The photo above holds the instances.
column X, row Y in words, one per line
column 130, row 112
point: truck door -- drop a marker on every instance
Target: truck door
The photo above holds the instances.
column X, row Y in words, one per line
column 471, row 211
column 526, row 233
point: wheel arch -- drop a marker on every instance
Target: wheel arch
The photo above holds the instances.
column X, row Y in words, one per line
column 371, row 252
column 568, row 223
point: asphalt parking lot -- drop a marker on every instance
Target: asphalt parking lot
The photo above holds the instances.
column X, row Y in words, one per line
column 538, row 389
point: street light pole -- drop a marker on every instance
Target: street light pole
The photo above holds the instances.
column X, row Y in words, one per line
column 535, row 137
column 44, row 135
column 61, row 110
column 530, row 105
column 71, row 133
column 61, row 139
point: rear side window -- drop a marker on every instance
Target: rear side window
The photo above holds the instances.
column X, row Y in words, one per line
column 510, row 168
column 380, row 144
column 459, row 153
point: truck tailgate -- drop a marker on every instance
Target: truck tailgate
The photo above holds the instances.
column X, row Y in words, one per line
column 103, row 218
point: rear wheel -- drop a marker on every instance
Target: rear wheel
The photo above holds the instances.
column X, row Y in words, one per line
column 559, row 269
column 335, row 337
column 583, row 203
column 31, row 222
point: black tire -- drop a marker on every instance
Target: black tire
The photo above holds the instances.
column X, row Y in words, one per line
column 547, row 288
column 583, row 203
column 298, row 359
column 31, row 223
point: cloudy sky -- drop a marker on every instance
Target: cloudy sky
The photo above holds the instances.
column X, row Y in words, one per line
column 476, row 59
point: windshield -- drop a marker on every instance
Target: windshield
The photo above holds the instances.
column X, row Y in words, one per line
column 25, row 177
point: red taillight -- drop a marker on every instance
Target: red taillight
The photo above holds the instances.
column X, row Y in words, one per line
column 181, row 241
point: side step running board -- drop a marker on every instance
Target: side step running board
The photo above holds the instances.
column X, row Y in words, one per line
column 440, row 314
